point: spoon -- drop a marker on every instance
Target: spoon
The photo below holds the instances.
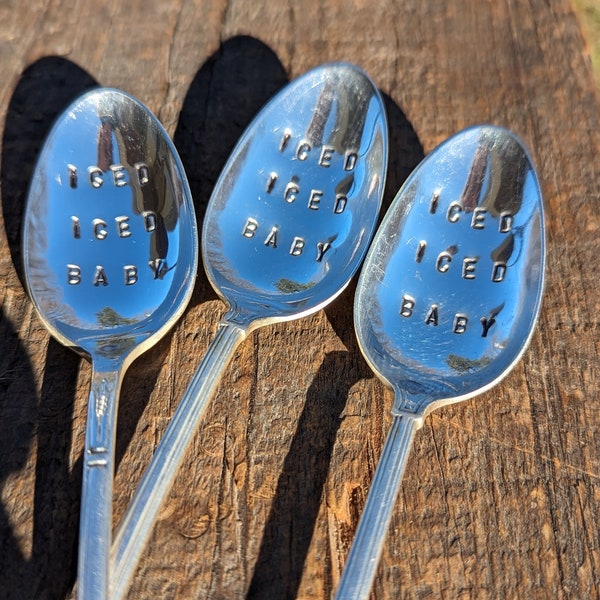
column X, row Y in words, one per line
column 110, row 250
column 287, row 226
column 447, row 300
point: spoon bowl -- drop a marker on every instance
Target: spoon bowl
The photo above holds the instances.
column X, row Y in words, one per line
column 293, row 213
column 110, row 251
column 460, row 257
column 447, row 299
column 287, row 226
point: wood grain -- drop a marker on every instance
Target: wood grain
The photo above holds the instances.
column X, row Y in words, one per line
column 502, row 494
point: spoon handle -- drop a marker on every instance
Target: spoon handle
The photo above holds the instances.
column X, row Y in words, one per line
column 97, row 487
column 137, row 523
column 362, row 561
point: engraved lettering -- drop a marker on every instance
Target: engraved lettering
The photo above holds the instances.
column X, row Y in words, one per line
column 250, row 228
column 100, row 231
column 350, row 160
column 158, row 267
column 271, row 239
column 486, row 324
column 315, row 199
column 131, row 274
column 468, row 269
column 421, row 251
column 100, row 276
column 143, row 173
column 454, row 211
column 340, row 204
column 498, row 272
column 322, row 247
column 297, row 246
column 506, row 221
column 119, row 175
column 291, row 191
column 123, row 226
column 303, row 149
column 326, row 156
column 407, row 306
column 72, row 176
column 460, row 323
column 287, row 136
column 149, row 217
column 118, row 172
column 442, row 264
column 478, row 218
column 271, row 182
column 95, row 174
column 432, row 315
column 76, row 227
column 73, row 274
column 433, row 205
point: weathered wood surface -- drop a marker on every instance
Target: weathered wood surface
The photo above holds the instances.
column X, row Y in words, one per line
column 501, row 498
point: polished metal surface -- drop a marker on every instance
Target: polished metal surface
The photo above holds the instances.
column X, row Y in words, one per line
column 452, row 286
column 293, row 213
column 110, row 250
column 447, row 299
column 288, row 224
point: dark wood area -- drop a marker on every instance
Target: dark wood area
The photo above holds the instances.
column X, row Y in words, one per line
column 501, row 497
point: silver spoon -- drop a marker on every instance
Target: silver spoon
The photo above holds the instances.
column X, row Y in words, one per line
column 288, row 224
column 447, row 300
column 111, row 253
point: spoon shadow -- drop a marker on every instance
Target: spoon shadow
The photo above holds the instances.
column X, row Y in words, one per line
column 291, row 522
column 224, row 96
column 45, row 88
column 294, row 510
column 18, row 414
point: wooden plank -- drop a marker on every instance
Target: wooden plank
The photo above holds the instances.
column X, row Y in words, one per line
column 500, row 497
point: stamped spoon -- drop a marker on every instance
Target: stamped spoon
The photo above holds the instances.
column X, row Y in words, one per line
column 111, row 252
column 446, row 302
column 288, row 224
